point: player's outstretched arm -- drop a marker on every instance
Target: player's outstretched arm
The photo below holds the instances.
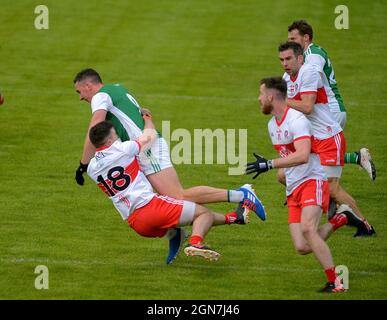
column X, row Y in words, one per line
column 149, row 134
column 88, row 148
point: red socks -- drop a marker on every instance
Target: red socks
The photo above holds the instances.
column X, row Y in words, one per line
column 331, row 274
column 230, row 217
column 195, row 240
column 338, row 221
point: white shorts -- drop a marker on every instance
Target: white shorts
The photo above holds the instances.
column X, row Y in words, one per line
column 156, row 158
column 341, row 118
column 187, row 214
column 333, row 171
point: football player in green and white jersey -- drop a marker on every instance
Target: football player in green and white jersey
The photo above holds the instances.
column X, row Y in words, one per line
column 301, row 32
column 113, row 102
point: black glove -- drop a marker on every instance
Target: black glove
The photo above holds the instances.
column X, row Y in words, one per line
column 259, row 166
column 79, row 173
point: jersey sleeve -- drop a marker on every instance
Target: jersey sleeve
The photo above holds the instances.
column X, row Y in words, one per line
column 101, row 101
column 301, row 128
column 132, row 148
column 309, row 81
column 316, row 61
column 91, row 170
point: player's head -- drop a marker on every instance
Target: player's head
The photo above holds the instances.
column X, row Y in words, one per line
column 291, row 57
column 102, row 134
column 87, row 83
column 301, row 32
column 272, row 91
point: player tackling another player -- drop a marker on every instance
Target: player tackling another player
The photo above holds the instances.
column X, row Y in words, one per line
column 116, row 170
column 114, row 103
column 306, row 184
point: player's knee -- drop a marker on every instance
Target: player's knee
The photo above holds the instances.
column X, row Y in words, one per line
column 179, row 194
column 334, row 188
column 200, row 210
column 301, row 249
column 307, row 230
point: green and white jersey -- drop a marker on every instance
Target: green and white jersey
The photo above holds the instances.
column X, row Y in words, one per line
column 122, row 110
column 318, row 57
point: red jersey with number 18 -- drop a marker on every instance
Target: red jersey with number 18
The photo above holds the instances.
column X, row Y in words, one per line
column 116, row 171
column 293, row 127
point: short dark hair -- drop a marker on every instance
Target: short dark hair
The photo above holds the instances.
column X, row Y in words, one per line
column 89, row 74
column 296, row 47
column 303, row 28
column 99, row 133
column 276, row 83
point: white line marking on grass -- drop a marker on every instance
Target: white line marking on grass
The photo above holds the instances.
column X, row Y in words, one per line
column 178, row 264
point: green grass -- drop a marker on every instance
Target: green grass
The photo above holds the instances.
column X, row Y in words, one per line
column 197, row 64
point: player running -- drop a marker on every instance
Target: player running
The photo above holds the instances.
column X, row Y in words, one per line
column 114, row 103
column 306, row 93
column 117, row 172
column 302, row 33
column 307, row 188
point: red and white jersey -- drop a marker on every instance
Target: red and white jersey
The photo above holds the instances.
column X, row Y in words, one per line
column 116, row 171
column 307, row 81
column 294, row 126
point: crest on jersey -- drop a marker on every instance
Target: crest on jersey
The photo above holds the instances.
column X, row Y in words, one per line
column 293, row 88
column 279, row 131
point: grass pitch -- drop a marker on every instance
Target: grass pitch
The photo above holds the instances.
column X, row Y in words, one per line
column 197, row 64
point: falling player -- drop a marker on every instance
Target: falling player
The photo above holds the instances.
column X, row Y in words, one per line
column 114, row 103
column 117, row 172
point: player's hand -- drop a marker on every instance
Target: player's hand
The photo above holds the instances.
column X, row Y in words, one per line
column 79, row 173
column 260, row 166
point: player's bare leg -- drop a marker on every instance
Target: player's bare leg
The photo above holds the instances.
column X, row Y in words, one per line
column 205, row 194
column 310, row 219
column 203, row 220
column 306, row 238
column 166, row 182
column 341, row 197
column 202, row 223
column 325, row 231
column 338, row 193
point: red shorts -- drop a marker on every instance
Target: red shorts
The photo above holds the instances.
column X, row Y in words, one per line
column 331, row 150
column 156, row 217
column 310, row 193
